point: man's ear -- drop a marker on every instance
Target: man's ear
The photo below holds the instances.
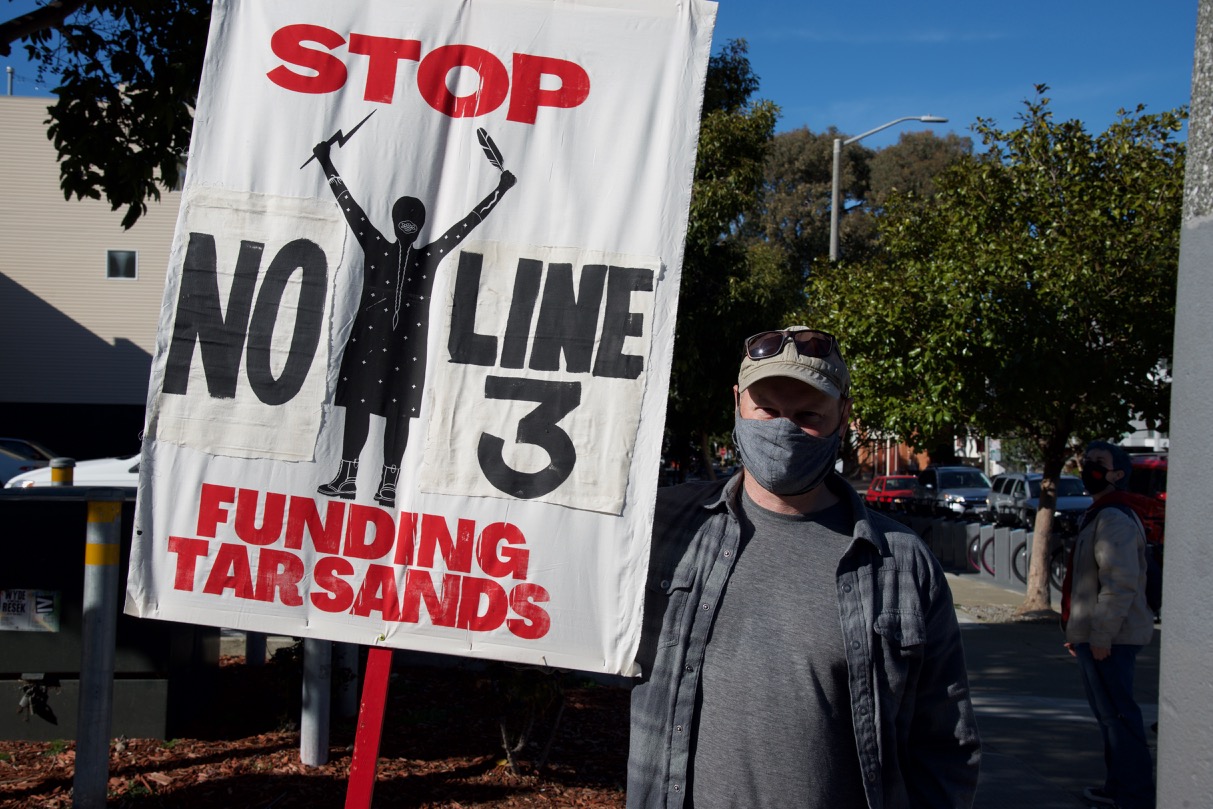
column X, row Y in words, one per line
column 1114, row 475
column 736, row 398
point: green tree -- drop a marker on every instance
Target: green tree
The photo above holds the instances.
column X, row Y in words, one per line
column 1032, row 297
column 911, row 165
column 794, row 208
column 128, row 78
column 730, row 288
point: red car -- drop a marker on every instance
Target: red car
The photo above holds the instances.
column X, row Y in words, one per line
column 890, row 492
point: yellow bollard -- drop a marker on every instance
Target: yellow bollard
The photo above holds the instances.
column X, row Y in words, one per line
column 62, row 471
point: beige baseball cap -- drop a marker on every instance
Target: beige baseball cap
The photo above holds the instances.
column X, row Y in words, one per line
column 828, row 374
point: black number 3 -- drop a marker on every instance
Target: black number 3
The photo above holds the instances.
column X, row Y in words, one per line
column 539, row 428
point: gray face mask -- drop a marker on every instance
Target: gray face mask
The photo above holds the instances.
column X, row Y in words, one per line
column 781, row 457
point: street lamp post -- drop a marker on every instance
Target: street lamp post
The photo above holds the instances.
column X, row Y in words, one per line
column 835, row 193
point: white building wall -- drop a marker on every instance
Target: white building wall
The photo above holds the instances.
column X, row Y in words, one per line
column 67, row 333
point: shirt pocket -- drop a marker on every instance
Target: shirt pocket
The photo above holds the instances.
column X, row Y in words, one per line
column 666, row 599
column 901, row 642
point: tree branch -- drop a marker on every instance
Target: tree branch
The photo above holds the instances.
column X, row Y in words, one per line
column 51, row 15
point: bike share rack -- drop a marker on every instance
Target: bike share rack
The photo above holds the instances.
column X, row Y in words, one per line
column 944, row 533
column 997, row 551
column 965, row 534
column 985, row 534
column 947, row 539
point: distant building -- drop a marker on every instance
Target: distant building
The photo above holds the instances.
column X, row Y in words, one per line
column 79, row 300
column 1143, row 439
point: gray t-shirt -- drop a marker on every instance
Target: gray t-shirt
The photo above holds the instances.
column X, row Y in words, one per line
column 774, row 724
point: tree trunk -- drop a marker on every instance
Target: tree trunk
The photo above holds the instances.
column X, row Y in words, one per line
column 1036, row 598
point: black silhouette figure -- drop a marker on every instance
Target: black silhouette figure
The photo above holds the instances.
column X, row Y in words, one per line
column 383, row 364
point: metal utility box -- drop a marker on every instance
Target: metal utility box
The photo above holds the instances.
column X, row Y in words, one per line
column 164, row 673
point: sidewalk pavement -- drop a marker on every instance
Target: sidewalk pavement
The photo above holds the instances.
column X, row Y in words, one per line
column 1040, row 744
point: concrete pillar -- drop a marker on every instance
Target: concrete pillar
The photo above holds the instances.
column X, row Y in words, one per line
column 317, row 698
column 1185, row 734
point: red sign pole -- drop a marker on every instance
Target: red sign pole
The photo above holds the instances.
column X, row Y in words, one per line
column 361, row 785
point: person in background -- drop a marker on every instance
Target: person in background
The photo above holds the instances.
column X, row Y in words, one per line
column 1107, row 621
column 798, row 650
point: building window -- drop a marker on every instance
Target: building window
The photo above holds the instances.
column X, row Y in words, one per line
column 121, row 264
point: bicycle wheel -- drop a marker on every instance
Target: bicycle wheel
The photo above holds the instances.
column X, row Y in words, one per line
column 974, row 554
column 1019, row 563
column 987, row 556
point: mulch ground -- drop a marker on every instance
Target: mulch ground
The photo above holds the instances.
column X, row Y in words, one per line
column 442, row 747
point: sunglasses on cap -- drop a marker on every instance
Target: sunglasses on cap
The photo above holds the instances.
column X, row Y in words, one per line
column 808, row 342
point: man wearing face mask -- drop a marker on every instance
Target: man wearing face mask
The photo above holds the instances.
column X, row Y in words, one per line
column 1107, row 620
column 798, row 650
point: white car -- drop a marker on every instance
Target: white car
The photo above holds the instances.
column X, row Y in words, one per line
column 18, row 455
column 100, row 472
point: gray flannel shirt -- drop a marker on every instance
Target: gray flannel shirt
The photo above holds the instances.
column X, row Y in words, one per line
column 914, row 725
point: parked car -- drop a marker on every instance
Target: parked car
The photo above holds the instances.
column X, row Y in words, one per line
column 1015, row 497
column 100, row 472
column 18, row 455
column 890, row 492
column 958, row 491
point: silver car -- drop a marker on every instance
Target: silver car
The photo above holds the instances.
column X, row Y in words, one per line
column 18, row 455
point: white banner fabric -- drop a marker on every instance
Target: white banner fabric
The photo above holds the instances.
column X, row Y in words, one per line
column 410, row 377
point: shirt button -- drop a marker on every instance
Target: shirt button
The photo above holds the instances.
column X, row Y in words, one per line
column 703, row 606
column 690, row 667
column 678, row 728
column 871, row 774
column 665, row 584
column 728, row 554
column 677, row 788
column 854, row 644
column 846, row 588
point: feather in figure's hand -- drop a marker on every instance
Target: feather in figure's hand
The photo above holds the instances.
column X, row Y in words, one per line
column 490, row 150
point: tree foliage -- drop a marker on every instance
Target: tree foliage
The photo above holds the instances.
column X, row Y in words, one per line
column 794, row 207
column 129, row 72
column 730, row 288
column 1032, row 296
column 911, row 165
column 755, row 237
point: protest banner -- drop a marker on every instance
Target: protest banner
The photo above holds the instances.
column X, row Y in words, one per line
column 411, row 369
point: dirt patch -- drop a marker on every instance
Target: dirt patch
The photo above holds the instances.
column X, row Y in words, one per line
column 1003, row 614
column 442, row 747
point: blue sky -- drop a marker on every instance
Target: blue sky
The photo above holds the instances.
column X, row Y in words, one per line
column 857, row 65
